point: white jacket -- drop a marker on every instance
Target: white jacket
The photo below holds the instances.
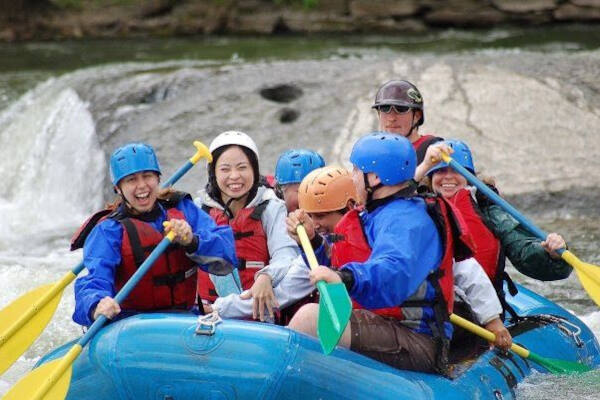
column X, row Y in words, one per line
column 471, row 285
column 282, row 248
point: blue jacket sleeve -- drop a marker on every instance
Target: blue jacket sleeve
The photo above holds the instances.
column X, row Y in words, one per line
column 216, row 245
column 101, row 256
column 322, row 253
column 402, row 257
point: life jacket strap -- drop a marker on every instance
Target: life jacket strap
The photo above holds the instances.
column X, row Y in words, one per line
column 242, row 235
column 136, row 244
column 259, row 210
column 171, row 280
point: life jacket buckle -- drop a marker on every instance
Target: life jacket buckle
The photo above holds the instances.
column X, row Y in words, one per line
column 207, row 324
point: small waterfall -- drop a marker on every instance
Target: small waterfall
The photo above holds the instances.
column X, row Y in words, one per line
column 52, row 165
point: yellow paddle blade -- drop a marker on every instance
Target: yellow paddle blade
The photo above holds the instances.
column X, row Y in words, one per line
column 588, row 274
column 31, row 385
column 16, row 335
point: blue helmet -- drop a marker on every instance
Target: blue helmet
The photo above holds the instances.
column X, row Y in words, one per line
column 462, row 155
column 391, row 157
column 293, row 165
column 132, row 158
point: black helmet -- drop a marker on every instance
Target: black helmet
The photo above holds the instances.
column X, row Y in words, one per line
column 400, row 93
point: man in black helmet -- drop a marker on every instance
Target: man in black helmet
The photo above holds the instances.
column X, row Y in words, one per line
column 400, row 109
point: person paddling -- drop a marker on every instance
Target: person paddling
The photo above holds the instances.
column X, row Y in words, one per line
column 292, row 166
column 328, row 199
column 234, row 196
column 497, row 234
column 116, row 241
column 406, row 265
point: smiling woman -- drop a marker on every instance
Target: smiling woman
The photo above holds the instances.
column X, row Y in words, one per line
column 117, row 240
column 234, row 196
column 497, row 235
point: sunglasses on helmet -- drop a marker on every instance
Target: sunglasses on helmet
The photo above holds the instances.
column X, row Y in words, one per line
column 387, row 108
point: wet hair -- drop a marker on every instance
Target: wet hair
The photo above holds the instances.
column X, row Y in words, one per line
column 212, row 188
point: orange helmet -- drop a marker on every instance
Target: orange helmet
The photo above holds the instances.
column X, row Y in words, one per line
column 326, row 189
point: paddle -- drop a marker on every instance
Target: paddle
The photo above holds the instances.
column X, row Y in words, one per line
column 22, row 321
column 335, row 306
column 588, row 274
column 52, row 380
column 552, row 365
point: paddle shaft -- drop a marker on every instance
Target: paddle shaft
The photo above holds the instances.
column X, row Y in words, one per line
column 70, row 357
column 306, row 246
column 472, row 179
column 202, row 151
column 485, row 334
column 312, row 262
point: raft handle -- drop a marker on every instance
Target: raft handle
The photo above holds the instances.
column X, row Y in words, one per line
column 207, row 324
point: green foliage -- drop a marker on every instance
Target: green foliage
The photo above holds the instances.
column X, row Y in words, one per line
column 305, row 3
column 68, row 3
column 80, row 4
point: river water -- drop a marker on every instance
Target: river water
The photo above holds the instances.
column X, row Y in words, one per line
column 527, row 101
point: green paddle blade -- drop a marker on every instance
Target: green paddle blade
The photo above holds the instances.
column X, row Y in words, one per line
column 17, row 332
column 559, row 366
column 335, row 308
column 29, row 386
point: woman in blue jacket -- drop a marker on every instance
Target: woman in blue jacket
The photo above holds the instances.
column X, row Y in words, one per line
column 116, row 241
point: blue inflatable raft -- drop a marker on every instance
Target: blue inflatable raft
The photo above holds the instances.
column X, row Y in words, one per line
column 159, row 356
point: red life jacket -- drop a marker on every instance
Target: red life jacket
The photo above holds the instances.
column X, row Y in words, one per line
column 170, row 283
column 351, row 244
column 250, row 247
column 487, row 246
column 270, row 181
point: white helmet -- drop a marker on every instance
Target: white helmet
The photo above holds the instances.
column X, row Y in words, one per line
column 233, row 137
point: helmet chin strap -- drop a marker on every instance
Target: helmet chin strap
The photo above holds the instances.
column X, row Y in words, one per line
column 227, row 205
column 370, row 189
column 413, row 124
column 227, row 210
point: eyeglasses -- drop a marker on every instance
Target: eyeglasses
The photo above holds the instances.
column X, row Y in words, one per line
column 387, row 108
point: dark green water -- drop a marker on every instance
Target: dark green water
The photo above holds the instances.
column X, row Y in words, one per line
column 22, row 65
column 70, row 55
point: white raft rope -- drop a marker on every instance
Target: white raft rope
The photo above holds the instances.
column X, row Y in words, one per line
column 207, row 324
column 563, row 324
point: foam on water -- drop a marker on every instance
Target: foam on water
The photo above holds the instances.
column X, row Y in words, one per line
column 51, row 165
column 52, row 168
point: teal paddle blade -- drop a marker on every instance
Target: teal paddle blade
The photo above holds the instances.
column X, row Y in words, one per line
column 335, row 308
